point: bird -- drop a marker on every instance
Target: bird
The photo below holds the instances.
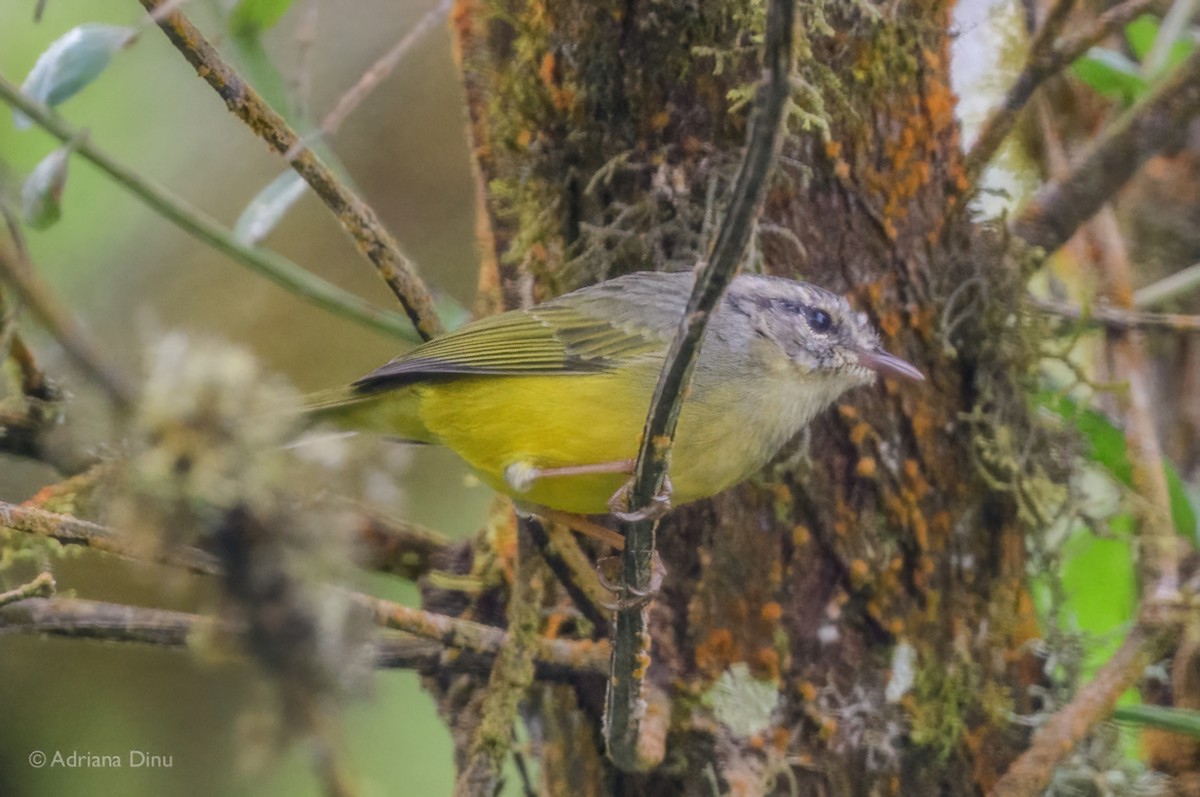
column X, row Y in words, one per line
column 547, row 404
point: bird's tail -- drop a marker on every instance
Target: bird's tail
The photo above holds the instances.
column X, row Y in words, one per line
column 395, row 413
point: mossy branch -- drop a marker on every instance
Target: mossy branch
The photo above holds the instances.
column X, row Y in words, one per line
column 626, row 707
column 355, row 216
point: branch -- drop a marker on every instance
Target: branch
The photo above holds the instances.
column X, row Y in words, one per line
column 35, row 294
column 1158, row 122
column 354, row 215
column 626, row 708
column 1117, row 318
column 391, row 546
column 41, row 587
column 511, row 675
column 69, row 530
column 1031, row 773
column 111, row 622
column 1168, row 288
column 585, row 657
column 376, row 73
column 1048, row 55
column 398, row 547
column 192, row 220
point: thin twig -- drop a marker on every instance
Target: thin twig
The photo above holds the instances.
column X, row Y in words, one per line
column 1048, row 55
column 374, row 75
column 626, row 705
column 1169, row 288
column 355, row 216
column 195, row 222
column 41, row 587
column 35, row 294
column 1117, row 318
column 511, row 676
column 1159, row 122
column 1031, row 773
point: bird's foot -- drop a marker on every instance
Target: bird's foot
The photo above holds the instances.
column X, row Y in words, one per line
column 660, row 505
column 631, row 598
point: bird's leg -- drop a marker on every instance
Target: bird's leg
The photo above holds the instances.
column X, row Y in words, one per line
column 521, row 475
column 658, row 506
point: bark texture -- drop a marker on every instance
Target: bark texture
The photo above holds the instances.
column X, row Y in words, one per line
column 887, row 547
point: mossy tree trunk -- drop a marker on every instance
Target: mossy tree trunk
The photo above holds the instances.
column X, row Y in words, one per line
column 887, row 548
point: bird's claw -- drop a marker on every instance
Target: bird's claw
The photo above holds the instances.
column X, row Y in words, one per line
column 660, row 505
column 632, row 598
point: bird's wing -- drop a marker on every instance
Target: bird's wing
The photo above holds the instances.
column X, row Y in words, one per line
column 586, row 331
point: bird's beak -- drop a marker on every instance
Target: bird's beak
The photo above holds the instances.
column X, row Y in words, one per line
column 888, row 365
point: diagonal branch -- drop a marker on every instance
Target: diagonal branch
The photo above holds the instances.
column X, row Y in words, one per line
column 626, row 706
column 1031, row 772
column 34, row 293
column 355, row 216
column 195, row 222
column 1048, row 55
column 1159, row 122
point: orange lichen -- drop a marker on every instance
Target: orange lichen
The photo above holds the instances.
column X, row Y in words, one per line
column 801, row 536
column 860, row 571
column 771, row 611
column 807, row 691
column 715, row 653
column 860, row 432
column 765, row 664
column 866, row 467
column 546, row 70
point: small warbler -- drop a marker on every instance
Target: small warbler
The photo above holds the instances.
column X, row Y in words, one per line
column 547, row 404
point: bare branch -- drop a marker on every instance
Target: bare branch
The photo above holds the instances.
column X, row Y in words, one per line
column 1159, row 122
column 626, row 707
column 1116, row 318
column 1031, row 773
column 1169, row 288
column 1048, row 55
column 374, row 75
column 355, row 216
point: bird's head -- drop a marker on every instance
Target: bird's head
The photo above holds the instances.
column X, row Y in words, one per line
column 817, row 330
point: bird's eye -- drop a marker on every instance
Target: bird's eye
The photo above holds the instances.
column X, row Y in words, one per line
column 819, row 320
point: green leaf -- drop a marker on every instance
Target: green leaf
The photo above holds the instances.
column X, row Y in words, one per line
column 1141, row 34
column 1178, row 720
column 1110, row 73
column 71, row 62
column 41, row 193
column 266, row 210
column 252, row 17
column 1107, row 448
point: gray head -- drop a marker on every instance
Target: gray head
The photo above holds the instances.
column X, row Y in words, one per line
column 817, row 329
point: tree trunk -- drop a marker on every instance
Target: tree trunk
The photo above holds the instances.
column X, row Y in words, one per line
column 872, row 583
